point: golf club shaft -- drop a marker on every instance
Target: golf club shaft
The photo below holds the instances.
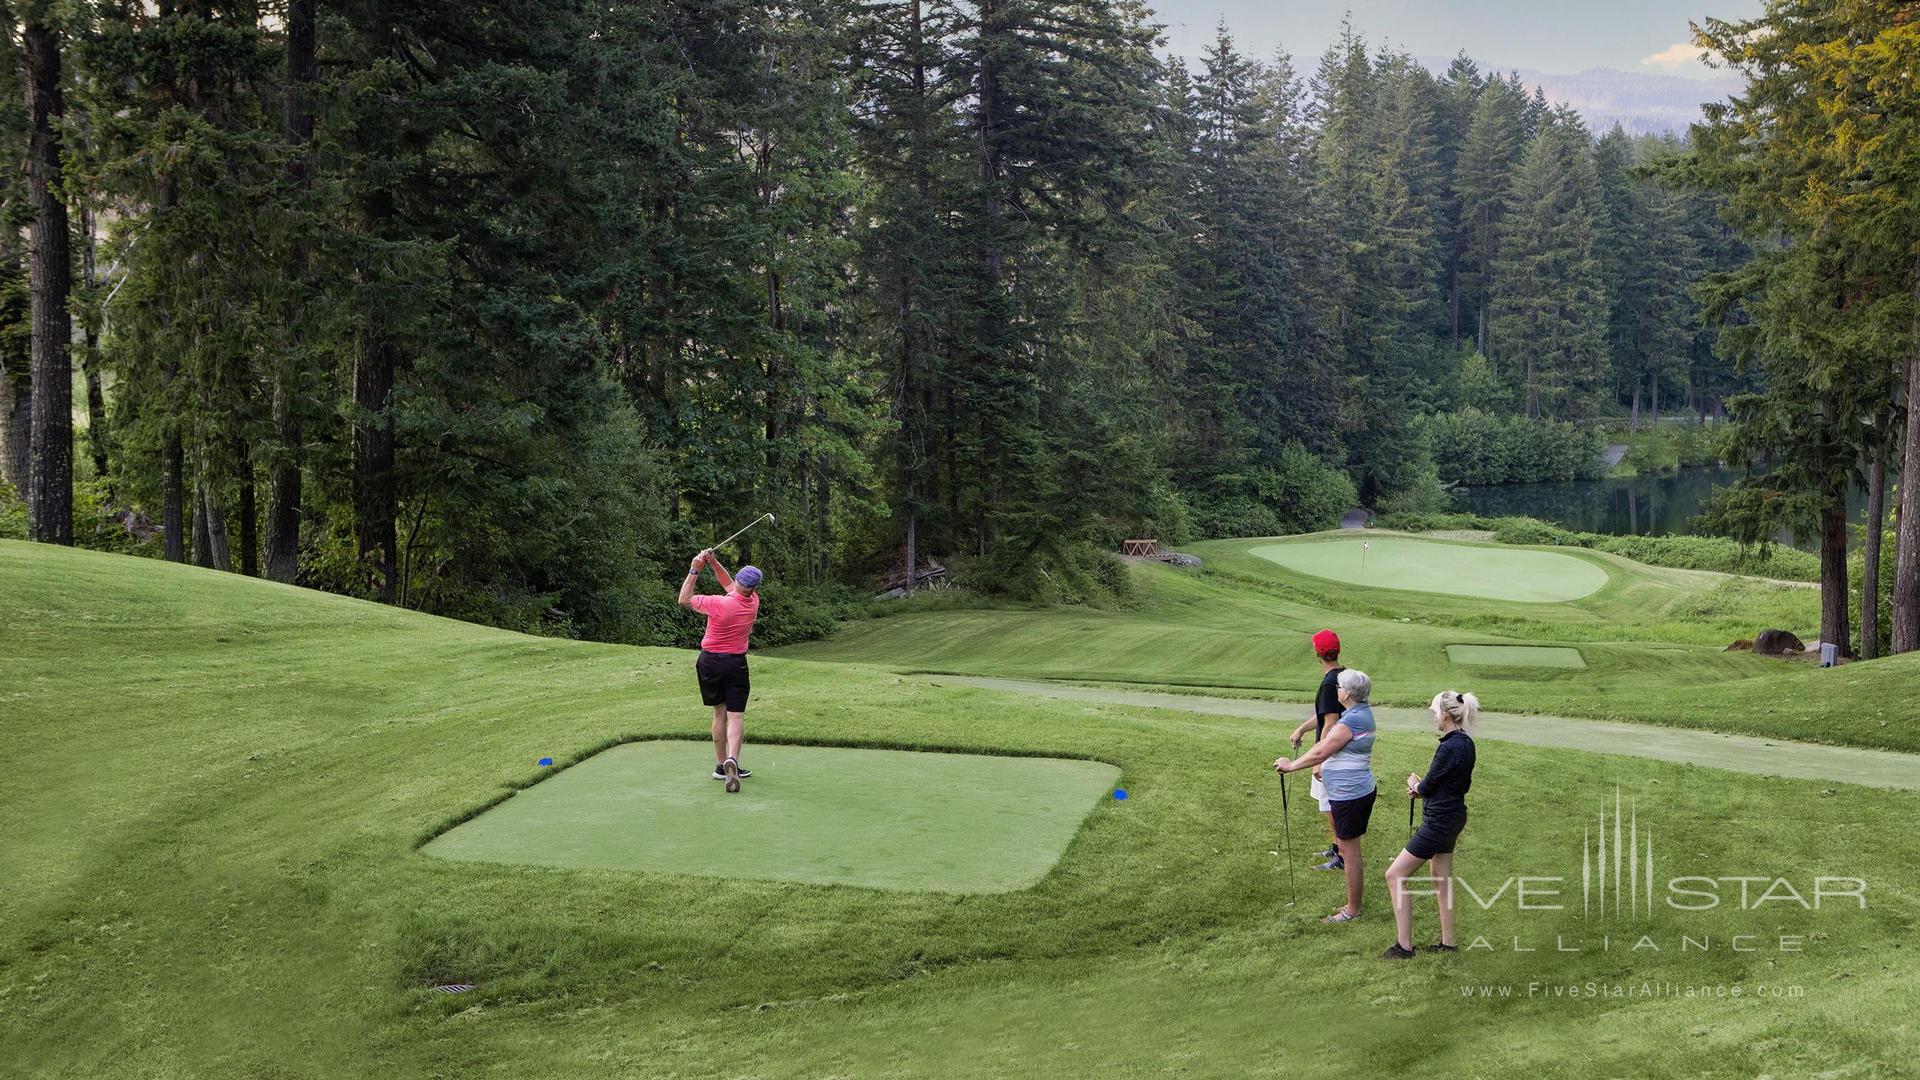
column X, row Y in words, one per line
column 736, row 536
column 1286, row 829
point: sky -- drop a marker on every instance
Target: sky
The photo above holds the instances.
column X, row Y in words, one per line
column 1559, row 36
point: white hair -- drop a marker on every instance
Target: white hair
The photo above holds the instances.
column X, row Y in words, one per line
column 1356, row 684
column 1462, row 709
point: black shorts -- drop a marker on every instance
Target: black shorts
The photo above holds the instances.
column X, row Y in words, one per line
column 723, row 679
column 1350, row 816
column 1436, row 836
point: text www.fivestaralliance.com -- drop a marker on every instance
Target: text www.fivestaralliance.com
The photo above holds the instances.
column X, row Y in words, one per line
column 1605, row 990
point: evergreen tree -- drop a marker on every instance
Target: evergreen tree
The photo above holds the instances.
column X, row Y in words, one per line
column 1549, row 296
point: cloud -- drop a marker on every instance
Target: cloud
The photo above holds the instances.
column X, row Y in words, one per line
column 1673, row 56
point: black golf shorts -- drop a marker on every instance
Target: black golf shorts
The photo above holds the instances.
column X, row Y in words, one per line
column 1436, row 836
column 1350, row 816
column 723, row 679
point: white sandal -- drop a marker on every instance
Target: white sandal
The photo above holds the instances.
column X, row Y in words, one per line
column 1339, row 917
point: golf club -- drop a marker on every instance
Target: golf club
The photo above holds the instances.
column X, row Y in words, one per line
column 1409, row 821
column 736, row 536
column 1286, row 828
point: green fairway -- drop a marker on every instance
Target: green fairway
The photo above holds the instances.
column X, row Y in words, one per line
column 212, row 865
column 1432, row 566
column 887, row 819
column 1516, row 656
column 1653, row 641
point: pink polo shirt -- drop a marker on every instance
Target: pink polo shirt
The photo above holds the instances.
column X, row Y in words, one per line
column 730, row 618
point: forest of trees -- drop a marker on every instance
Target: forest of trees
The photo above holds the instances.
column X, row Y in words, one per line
column 499, row 311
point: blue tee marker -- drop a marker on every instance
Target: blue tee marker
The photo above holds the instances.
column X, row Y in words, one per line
column 546, row 761
column 1120, row 794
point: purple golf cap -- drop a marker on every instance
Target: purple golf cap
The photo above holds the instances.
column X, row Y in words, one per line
column 748, row 577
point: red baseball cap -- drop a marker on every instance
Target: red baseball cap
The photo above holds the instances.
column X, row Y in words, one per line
column 1325, row 641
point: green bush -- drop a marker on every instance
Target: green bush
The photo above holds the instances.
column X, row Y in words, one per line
column 1663, row 448
column 13, row 513
column 1297, row 493
column 1476, row 448
column 1716, row 553
column 1433, row 521
column 1073, row 574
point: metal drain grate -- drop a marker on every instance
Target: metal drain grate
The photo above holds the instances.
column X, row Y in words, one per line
column 454, row 988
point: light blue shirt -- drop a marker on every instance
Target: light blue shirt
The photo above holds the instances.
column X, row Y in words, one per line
column 1348, row 772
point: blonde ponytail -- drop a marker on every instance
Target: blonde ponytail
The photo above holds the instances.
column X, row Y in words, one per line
column 1462, row 709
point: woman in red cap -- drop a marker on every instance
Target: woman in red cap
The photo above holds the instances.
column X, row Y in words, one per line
column 1326, row 710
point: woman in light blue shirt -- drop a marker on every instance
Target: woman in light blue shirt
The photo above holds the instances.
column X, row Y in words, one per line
column 1345, row 757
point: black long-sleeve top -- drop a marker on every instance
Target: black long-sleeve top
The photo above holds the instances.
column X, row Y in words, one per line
column 1449, row 776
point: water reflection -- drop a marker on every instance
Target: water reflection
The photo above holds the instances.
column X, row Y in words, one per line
column 1635, row 505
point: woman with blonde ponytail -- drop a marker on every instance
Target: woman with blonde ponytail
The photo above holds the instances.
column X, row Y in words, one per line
column 1445, row 790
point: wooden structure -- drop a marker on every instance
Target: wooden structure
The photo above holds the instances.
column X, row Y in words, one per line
column 1146, row 549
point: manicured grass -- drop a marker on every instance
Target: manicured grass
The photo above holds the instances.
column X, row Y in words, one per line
column 1551, row 656
column 217, row 787
column 1389, row 562
column 885, row 819
column 1653, row 640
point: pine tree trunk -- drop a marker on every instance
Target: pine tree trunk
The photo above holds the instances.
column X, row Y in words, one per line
column 1633, row 424
column 50, row 278
column 249, row 510
column 202, row 543
column 1906, row 566
column 374, row 501
column 913, row 545
column 173, row 496
column 210, row 529
column 90, row 358
column 1656, row 401
column 1834, row 599
column 16, row 426
column 283, row 512
column 1876, row 524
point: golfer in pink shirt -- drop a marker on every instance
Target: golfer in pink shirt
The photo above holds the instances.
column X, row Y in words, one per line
column 722, row 667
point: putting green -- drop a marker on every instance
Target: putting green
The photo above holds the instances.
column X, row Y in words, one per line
column 887, row 819
column 1516, row 656
column 1394, row 562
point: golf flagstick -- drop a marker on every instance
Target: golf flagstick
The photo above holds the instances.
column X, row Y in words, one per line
column 1286, row 827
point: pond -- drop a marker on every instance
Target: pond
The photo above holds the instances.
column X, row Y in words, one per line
column 1651, row 505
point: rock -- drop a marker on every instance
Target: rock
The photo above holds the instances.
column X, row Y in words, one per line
column 1776, row 643
column 894, row 594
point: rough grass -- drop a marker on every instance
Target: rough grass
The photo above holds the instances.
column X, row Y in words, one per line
column 216, row 786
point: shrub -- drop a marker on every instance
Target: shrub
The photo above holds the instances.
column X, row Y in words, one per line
column 1476, row 448
column 1072, row 574
column 1717, row 553
column 1433, row 521
column 1297, row 493
column 13, row 513
column 1666, row 448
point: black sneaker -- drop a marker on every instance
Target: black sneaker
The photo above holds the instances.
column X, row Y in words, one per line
column 720, row 774
column 1332, row 852
column 732, row 770
column 1440, row 947
column 1335, row 863
column 1395, row 952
